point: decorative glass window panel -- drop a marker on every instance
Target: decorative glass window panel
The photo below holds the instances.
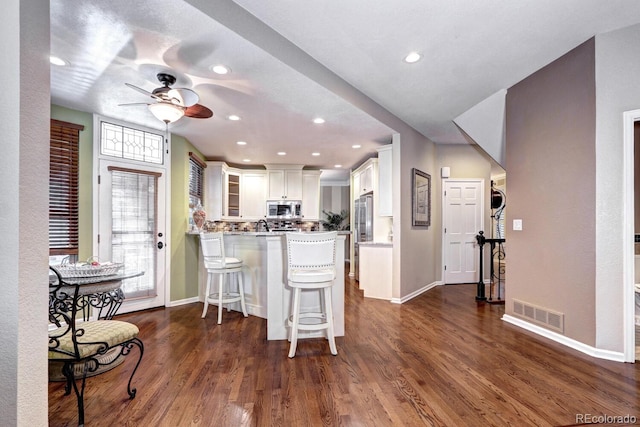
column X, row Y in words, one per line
column 133, row 144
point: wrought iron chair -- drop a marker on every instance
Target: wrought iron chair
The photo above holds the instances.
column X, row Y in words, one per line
column 78, row 346
column 311, row 267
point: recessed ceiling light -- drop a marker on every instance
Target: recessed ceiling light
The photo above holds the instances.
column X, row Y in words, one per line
column 57, row 61
column 246, row 160
column 337, row 166
column 356, row 146
column 233, row 118
column 315, row 154
column 220, row 69
column 241, row 143
column 412, row 57
column 318, row 120
column 281, row 153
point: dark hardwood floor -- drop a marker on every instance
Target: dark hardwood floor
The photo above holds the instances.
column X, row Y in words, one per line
column 437, row 360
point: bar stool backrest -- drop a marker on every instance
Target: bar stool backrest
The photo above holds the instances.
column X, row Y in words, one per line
column 212, row 245
column 311, row 251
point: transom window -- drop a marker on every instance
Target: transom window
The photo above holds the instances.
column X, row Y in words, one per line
column 132, row 144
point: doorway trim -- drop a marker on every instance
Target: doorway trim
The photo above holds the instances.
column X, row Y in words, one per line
column 628, row 252
column 165, row 167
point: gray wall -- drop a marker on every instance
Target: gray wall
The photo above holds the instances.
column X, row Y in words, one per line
column 617, row 74
column 334, row 199
column 550, row 163
column 417, row 264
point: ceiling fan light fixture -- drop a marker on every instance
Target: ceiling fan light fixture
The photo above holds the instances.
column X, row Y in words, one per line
column 166, row 111
column 55, row 60
column 220, row 69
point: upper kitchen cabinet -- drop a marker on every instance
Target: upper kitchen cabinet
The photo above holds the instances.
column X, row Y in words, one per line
column 234, row 193
column 232, row 199
column 222, row 191
column 254, row 195
column 310, row 195
column 214, row 191
column 363, row 178
column 285, row 182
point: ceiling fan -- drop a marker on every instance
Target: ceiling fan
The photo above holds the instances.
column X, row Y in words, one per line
column 172, row 103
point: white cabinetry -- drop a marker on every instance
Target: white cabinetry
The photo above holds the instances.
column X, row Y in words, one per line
column 310, row 195
column 232, row 196
column 285, row 184
column 253, row 195
column 234, row 193
column 231, row 193
column 213, row 190
column 376, row 270
column 385, row 177
column 364, row 178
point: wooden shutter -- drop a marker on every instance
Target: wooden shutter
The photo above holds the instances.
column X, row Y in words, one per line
column 63, row 188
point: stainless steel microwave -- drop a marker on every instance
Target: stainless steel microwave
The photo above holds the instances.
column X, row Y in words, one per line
column 284, row 209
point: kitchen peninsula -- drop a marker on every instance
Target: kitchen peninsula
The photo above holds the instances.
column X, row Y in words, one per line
column 264, row 273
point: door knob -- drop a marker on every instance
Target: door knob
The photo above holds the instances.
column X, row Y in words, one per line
column 160, row 245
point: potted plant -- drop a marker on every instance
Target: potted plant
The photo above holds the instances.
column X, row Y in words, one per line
column 334, row 221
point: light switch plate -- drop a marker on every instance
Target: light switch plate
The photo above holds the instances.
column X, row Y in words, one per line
column 517, row 225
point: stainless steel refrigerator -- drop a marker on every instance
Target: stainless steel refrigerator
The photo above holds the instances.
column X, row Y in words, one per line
column 364, row 226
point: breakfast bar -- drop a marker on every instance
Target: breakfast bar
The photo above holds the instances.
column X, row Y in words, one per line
column 264, row 273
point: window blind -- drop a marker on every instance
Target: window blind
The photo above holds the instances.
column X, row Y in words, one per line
column 63, row 188
column 196, row 177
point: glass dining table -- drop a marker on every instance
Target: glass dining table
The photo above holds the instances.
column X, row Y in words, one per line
column 100, row 295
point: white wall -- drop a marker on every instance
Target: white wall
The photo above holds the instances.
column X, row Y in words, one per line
column 24, row 215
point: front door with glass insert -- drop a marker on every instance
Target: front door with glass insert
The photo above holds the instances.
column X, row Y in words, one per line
column 131, row 212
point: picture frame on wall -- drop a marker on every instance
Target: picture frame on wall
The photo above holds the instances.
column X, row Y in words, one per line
column 421, row 198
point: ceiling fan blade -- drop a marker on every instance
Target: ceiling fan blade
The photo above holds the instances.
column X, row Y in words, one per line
column 133, row 103
column 142, row 91
column 185, row 97
column 198, row 111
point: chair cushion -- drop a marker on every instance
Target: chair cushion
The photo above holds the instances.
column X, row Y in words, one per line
column 111, row 332
column 312, row 276
column 217, row 265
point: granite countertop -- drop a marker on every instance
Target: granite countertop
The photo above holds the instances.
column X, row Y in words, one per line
column 380, row 244
column 265, row 233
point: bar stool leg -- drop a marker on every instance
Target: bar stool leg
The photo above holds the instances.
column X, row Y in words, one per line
column 328, row 309
column 241, row 292
column 294, row 322
column 220, row 295
column 206, row 295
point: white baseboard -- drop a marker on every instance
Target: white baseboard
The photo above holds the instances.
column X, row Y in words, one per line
column 182, row 302
column 561, row 339
column 416, row 293
column 253, row 310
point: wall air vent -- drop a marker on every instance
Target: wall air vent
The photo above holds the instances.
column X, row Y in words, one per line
column 538, row 315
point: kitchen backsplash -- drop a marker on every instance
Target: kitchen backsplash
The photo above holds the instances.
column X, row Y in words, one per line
column 253, row 225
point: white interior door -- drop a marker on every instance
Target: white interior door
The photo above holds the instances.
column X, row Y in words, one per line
column 462, row 219
column 131, row 224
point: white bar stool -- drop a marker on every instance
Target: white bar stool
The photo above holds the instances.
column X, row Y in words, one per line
column 311, row 266
column 216, row 262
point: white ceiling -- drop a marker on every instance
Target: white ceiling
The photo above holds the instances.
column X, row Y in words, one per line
column 295, row 60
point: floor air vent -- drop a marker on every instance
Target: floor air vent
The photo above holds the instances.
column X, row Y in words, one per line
column 542, row 316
